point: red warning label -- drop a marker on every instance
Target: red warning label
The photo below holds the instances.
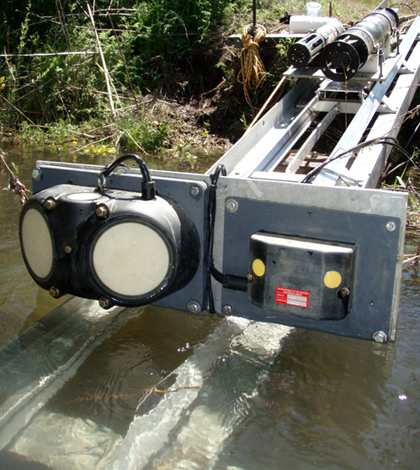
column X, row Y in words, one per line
column 294, row 297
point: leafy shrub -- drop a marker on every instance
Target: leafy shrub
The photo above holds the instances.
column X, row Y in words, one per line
column 144, row 42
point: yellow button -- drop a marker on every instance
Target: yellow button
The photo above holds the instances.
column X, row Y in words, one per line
column 258, row 267
column 332, row 279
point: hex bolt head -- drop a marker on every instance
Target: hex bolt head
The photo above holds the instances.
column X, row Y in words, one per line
column 194, row 307
column 250, row 277
column 380, row 337
column 36, row 174
column 227, row 309
column 232, row 205
column 50, row 204
column 390, row 226
column 105, row 303
column 195, row 191
column 68, row 249
column 54, row 292
column 102, row 211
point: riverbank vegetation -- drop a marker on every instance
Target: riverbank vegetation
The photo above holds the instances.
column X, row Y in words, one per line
column 122, row 73
column 134, row 73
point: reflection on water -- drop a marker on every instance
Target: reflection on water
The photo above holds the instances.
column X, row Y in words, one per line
column 242, row 399
column 121, row 371
column 319, row 398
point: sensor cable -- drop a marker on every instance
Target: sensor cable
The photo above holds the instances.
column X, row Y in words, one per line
column 228, row 281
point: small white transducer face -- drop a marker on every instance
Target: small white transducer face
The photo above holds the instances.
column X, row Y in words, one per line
column 37, row 243
column 84, row 196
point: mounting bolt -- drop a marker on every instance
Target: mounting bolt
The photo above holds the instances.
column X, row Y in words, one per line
column 250, row 277
column 390, row 226
column 68, row 249
column 195, row 191
column 380, row 337
column 105, row 303
column 36, row 174
column 344, row 292
column 50, row 204
column 232, row 205
column 102, row 211
column 194, row 306
column 54, row 292
column 227, row 309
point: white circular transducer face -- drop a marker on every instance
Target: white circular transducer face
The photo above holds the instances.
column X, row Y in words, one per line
column 37, row 243
column 131, row 259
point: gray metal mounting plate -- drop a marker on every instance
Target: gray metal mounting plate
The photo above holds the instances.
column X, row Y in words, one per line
column 372, row 220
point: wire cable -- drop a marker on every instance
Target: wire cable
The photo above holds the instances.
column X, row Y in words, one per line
column 382, row 141
column 211, row 214
column 229, row 281
column 148, row 189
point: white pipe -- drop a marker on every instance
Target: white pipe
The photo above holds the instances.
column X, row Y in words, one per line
column 307, row 24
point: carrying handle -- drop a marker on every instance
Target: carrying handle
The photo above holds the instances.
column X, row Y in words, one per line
column 148, row 189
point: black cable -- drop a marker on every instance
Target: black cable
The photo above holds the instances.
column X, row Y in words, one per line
column 148, row 190
column 228, row 281
column 382, row 141
column 211, row 213
column 412, row 136
column 403, row 5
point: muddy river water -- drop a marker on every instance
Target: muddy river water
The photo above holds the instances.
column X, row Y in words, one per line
column 244, row 396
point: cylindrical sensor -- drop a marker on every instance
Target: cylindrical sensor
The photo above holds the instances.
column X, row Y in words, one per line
column 342, row 59
column 303, row 51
